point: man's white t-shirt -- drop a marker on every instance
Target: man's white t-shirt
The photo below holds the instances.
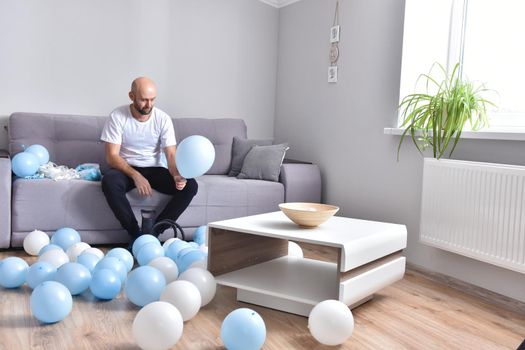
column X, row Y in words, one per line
column 141, row 143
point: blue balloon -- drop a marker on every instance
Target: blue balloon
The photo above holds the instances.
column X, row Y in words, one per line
column 40, row 152
column 48, row 247
column 194, row 245
column 181, row 253
column 13, row 272
column 148, row 252
column 144, row 285
column 113, row 264
column 123, row 255
column 51, row 302
column 105, row 284
column 88, row 260
column 76, row 277
column 25, row 164
column 194, row 156
column 65, row 237
column 189, row 258
column 243, row 329
column 140, row 241
column 39, row 272
column 199, row 236
column 174, row 248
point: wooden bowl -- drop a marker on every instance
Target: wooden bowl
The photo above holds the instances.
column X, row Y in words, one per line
column 308, row 214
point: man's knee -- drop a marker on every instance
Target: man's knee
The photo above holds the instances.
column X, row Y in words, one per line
column 191, row 187
column 113, row 180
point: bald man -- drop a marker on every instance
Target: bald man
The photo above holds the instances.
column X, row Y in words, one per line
column 135, row 136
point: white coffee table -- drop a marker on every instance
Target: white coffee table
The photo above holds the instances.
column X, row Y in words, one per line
column 358, row 258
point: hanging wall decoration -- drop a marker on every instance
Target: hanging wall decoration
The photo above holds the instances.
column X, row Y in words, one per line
column 334, row 46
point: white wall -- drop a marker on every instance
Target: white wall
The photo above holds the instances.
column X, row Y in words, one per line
column 340, row 126
column 209, row 58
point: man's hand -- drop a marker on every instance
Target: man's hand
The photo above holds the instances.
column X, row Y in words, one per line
column 142, row 185
column 180, row 182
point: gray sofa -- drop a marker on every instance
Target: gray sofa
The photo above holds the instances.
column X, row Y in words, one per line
column 71, row 140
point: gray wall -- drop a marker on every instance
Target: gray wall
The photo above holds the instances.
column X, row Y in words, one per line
column 340, row 126
column 209, row 58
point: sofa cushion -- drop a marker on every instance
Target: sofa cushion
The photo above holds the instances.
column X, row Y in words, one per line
column 240, row 149
column 48, row 205
column 263, row 162
column 219, row 131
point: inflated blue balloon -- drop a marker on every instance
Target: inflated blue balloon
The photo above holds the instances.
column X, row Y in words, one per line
column 199, row 236
column 48, row 247
column 76, row 277
column 144, row 285
column 194, row 156
column 113, row 264
column 51, row 302
column 39, row 272
column 148, row 252
column 65, row 237
column 105, row 284
column 25, row 164
column 140, row 241
column 123, row 255
column 88, row 260
column 189, row 258
column 13, row 272
column 194, row 245
column 40, row 152
column 243, row 329
column 183, row 252
column 174, row 248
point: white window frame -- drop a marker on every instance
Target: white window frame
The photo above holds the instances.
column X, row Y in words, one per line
column 451, row 15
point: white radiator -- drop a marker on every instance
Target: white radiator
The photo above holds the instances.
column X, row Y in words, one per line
column 475, row 209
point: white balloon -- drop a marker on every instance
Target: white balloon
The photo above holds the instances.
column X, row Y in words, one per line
column 294, row 249
column 95, row 251
column 56, row 257
column 331, row 322
column 76, row 249
column 203, row 264
column 34, row 241
column 204, row 248
column 203, row 280
column 184, row 296
column 167, row 266
column 157, row 326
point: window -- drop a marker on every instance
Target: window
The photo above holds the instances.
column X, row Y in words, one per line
column 486, row 36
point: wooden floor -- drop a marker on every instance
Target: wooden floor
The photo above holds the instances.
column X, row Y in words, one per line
column 415, row 313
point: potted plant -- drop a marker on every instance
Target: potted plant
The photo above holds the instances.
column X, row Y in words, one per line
column 437, row 117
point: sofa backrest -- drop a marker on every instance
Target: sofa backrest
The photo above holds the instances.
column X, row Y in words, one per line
column 73, row 139
column 70, row 139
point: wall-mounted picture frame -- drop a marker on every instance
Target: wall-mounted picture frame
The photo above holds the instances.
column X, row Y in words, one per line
column 334, row 34
column 332, row 74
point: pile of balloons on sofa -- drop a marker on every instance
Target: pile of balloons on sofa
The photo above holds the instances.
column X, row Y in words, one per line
column 33, row 163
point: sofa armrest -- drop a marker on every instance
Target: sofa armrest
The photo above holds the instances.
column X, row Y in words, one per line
column 5, row 201
column 302, row 182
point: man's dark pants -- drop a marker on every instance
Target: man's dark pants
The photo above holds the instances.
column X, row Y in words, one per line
column 115, row 185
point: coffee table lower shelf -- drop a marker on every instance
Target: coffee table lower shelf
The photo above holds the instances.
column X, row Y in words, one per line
column 287, row 283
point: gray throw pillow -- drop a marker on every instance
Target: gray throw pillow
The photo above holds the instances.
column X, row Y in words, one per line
column 240, row 149
column 263, row 162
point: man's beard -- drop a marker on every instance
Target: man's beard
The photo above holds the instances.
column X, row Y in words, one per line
column 144, row 111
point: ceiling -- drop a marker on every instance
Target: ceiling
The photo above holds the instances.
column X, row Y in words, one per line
column 279, row 3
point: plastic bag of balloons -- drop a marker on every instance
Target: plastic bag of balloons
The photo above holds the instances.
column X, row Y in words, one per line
column 89, row 171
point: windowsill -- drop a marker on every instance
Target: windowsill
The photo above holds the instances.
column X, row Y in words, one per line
column 494, row 134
